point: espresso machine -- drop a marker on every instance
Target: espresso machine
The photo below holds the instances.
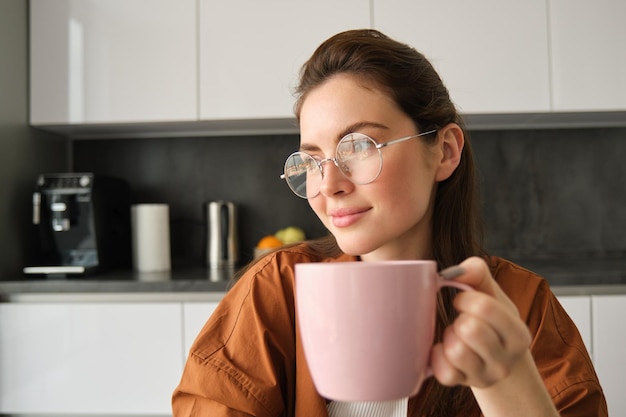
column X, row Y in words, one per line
column 83, row 223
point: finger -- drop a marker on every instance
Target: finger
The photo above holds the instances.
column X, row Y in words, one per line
column 503, row 320
column 474, row 272
column 443, row 370
column 491, row 362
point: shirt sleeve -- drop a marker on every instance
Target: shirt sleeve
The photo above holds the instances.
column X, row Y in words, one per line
column 241, row 363
column 557, row 347
column 564, row 363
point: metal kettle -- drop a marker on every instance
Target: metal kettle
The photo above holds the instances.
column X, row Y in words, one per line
column 221, row 243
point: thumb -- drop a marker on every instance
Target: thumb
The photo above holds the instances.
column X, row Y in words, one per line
column 474, row 272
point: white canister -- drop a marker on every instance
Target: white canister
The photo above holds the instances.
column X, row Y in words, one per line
column 151, row 237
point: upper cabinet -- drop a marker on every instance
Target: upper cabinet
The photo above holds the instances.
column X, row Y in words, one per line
column 95, row 61
column 491, row 54
column 251, row 51
column 212, row 64
column 588, row 57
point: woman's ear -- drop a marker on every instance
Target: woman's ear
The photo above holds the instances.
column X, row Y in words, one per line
column 451, row 142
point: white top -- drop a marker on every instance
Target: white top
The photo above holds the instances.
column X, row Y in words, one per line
column 394, row 408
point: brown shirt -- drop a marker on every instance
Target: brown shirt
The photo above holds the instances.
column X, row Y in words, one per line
column 248, row 358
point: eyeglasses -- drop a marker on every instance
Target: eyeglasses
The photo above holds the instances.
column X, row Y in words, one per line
column 358, row 158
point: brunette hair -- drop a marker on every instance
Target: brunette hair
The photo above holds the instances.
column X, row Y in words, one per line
column 408, row 77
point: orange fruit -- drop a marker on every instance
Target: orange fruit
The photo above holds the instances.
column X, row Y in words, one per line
column 269, row 242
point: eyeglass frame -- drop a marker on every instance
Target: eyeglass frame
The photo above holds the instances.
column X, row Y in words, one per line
column 379, row 146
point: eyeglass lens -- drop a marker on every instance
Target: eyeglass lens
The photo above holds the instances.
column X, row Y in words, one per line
column 357, row 157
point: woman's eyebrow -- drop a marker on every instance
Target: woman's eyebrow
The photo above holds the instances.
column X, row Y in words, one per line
column 355, row 127
column 307, row 147
column 360, row 125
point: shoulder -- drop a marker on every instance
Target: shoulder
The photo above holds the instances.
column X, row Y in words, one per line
column 280, row 263
column 528, row 290
column 261, row 298
column 513, row 277
column 272, row 277
column 508, row 273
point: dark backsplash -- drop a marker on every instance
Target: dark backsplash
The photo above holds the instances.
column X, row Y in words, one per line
column 188, row 172
column 555, row 193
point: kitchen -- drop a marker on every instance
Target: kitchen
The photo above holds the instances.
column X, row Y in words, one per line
column 564, row 216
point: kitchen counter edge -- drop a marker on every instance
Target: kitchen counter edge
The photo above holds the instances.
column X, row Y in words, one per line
column 571, row 278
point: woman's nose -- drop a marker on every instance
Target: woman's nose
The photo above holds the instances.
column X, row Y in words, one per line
column 333, row 180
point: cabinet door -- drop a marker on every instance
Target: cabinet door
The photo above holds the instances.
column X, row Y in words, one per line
column 491, row 54
column 588, row 54
column 609, row 339
column 579, row 309
column 106, row 61
column 110, row 358
column 251, row 51
column 195, row 315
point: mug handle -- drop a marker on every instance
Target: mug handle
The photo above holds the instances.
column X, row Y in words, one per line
column 443, row 282
column 447, row 282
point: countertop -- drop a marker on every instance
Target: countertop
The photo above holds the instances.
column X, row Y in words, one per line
column 572, row 277
column 186, row 284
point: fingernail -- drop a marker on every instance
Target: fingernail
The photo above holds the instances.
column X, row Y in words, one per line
column 452, row 272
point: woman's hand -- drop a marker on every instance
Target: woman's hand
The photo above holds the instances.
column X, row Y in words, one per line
column 487, row 349
column 487, row 339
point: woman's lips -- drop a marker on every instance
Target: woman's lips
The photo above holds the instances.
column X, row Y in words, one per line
column 347, row 216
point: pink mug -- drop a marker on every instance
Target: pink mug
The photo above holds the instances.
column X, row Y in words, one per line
column 367, row 328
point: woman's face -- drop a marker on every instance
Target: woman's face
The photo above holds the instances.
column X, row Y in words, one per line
column 389, row 218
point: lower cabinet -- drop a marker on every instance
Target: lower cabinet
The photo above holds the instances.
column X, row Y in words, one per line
column 600, row 320
column 579, row 310
column 196, row 314
column 126, row 358
column 92, row 358
column 609, row 338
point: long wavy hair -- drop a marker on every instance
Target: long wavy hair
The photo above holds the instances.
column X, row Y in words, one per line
column 408, row 78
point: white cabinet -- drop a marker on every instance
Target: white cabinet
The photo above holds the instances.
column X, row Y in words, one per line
column 195, row 315
column 119, row 61
column 609, row 340
column 588, row 54
column 111, row 62
column 491, row 54
column 251, row 51
column 102, row 358
column 95, row 61
column 579, row 310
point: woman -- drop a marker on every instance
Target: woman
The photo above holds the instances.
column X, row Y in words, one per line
column 507, row 349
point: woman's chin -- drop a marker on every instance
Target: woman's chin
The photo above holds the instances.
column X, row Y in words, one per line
column 353, row 248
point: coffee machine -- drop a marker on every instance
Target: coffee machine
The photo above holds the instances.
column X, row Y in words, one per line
column 83, row 223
